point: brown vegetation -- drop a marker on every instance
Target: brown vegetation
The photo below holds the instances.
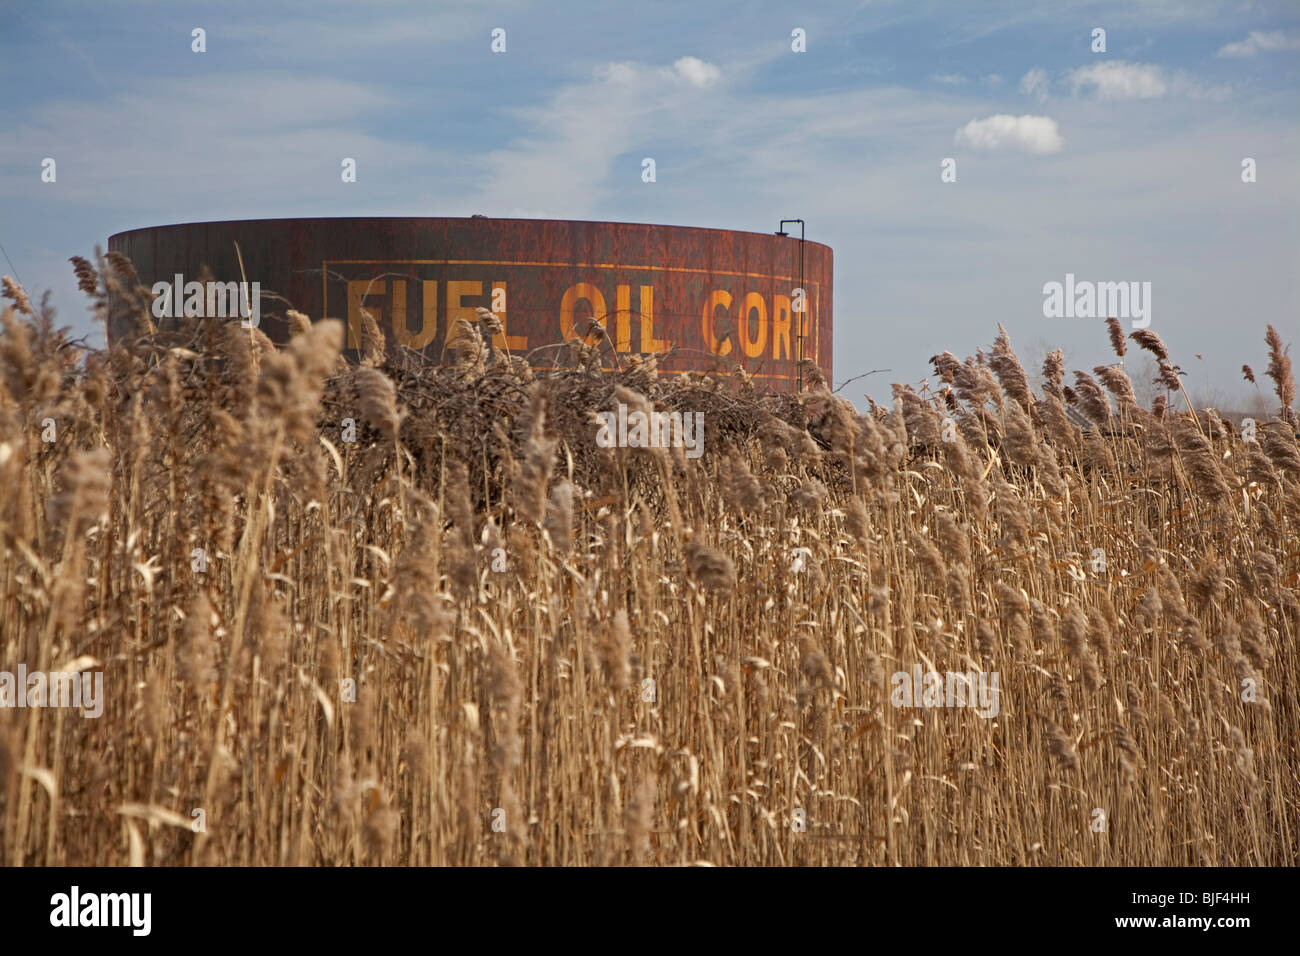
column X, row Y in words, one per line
column 654, row 676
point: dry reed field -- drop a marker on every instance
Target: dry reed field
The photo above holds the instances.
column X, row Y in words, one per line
column 471, row 635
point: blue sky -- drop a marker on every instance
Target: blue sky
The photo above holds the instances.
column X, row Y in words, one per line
column 1115, row 166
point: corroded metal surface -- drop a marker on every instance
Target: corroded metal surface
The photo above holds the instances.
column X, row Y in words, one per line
column 711, row 297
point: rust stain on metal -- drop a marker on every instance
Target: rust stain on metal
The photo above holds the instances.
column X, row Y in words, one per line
column 698, row 298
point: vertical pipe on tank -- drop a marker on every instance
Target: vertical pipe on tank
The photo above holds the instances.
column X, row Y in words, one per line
column 798, row 337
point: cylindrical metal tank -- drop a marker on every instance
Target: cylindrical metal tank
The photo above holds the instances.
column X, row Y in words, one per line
column 702, row 295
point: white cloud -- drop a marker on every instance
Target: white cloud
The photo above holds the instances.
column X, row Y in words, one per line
column 1033, row 134
column 696, row 72
column 1259, row 40
column 949, row 79
column 1034, row 84
column 1118, row 80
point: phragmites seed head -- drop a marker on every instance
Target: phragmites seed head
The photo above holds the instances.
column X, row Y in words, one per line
column 85, row 486
column 467, row 342
column 490, row 320
column 1074, row 633
column 1053, row 372
column 946, row 365
column 1243, row 757
column 813, row 379
column 87, row 278
column 615, row 652
column 928, row 556
column 808, row 496
column 462, row 569
column 1019, row 438
column 195, row 660
column 11, row 290
column 744, row 491
column 530, row 491
column 503, row 685
column 378, row 401
column 379, row 829
column 416, row 575
column 1149, row 608
column 813, row 663
column 298, row 323
column 1099, row 631
column 559, row 516
column 1279, row 370
column 710, row 567
column 1126, row 749
column 1168, row 376
column 1116, row 332
column 1092, row 400
column 1119, row 385
column 1060, row 746
column 1012, row 515
column 1282, row 448
column 1201, row 462
column 919, row 419
column 856, row 521
column 638, row 820
column 1101, row 461
column 642, row 372
column 373, row 344
column 1149, row 340
column 122, row 266
column 1010, row 372
column 954, row 539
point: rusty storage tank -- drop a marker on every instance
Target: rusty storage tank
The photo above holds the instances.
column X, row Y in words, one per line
column 700, row 298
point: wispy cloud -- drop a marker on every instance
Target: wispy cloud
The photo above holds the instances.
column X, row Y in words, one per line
column 1034, row 84
column 1259, row 41
column 80, row 53
column 1118, row 80
column 571, row 143
column 949, row 79
column 1032, row 134
column 115, row 152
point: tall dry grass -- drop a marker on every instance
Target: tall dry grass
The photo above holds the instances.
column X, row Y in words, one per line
column 505, row 716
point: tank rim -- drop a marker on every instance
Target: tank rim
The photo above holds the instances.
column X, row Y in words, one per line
column 464, row 219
